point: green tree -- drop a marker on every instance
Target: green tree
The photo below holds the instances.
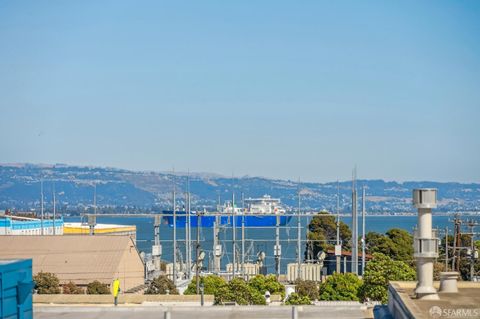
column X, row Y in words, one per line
column 97, row 288
column 160, row 285
column 72, row 289
column 323, row 227
column 396, row 243
column 268, row 283
column 240, row 292
column 46, row 283
column 344, row 287
column 296, row 299
column 308, row 288
column 378, row 272
column 211, row 284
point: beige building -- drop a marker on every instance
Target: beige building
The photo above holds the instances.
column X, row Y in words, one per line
column 81, row 259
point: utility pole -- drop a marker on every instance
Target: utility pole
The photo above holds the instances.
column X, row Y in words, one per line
column 95, row 199
column 457, row 237
column 278, row 248
column 363, row 229
column 471, row 225
column 354, row 225
column 454, row 242
column 243, row 235
column 216, row 246
column 299, row 235
column 197, row 248
column 41, row 205
column 157, row 248
column 174, row 233
column 338, row 256
column 446, row 248
column 54, row 208
column 187, row 230
column 234, row 234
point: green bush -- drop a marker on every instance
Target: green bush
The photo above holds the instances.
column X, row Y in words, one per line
column 238, row 290
column 211, row 284
column 268, row 283
column 97, row 288
column 160, row 285
column 296, row 299
column 343, row 287
column 46, row 283
column 378, row 272
column 72, row 289
column 306, row 288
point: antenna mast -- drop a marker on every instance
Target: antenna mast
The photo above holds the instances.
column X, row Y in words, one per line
column 174, row 233
column 338, row 228
column 54, row 208
column 41, row 205
column 354, row 224
column 363, row 229
column 299, row 235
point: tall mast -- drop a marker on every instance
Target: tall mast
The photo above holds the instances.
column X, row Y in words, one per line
column 299, row 235
column 95, row 198
column 216, row 247
column 197, row 250
column 354, row 225
column 363, row 229
column 338, row 228
column 174, row 233
column 243, row 234
column 234, row 235
column 54, row 208
column 41, row 206
column 187, row 232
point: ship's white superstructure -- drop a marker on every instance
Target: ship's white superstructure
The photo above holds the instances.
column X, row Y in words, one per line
column 265, row 205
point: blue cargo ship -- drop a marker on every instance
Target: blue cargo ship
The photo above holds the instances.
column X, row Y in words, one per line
column 259, row 212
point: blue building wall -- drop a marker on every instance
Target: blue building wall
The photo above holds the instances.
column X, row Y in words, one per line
column 16, row 286
column 11, row 224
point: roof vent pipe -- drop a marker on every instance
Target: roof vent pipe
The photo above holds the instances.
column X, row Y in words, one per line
column 448, row 282
column 425, row 245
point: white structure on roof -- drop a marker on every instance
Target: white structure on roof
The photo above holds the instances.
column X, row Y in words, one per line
column 425, row 244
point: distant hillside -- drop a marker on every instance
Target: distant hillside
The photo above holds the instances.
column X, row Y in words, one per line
column 20, row 189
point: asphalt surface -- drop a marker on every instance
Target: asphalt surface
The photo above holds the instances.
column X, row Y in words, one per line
column 237, row 312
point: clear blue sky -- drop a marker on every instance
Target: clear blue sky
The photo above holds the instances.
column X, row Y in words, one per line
column 271, row 88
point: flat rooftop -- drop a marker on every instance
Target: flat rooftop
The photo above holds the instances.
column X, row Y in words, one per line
column 464, row 304
column 99, row 226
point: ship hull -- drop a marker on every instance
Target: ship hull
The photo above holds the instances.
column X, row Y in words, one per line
column 208, row 221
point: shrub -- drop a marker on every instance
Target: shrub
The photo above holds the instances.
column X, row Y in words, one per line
column 240, row 292
column 97, row 288
column 46, row 283
column 378, row 272
column 269, row 283
column 308, row 288
column 296, row 299
column 160, row 285
column 343, row 287
column 211, row 284
column 72, row 289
